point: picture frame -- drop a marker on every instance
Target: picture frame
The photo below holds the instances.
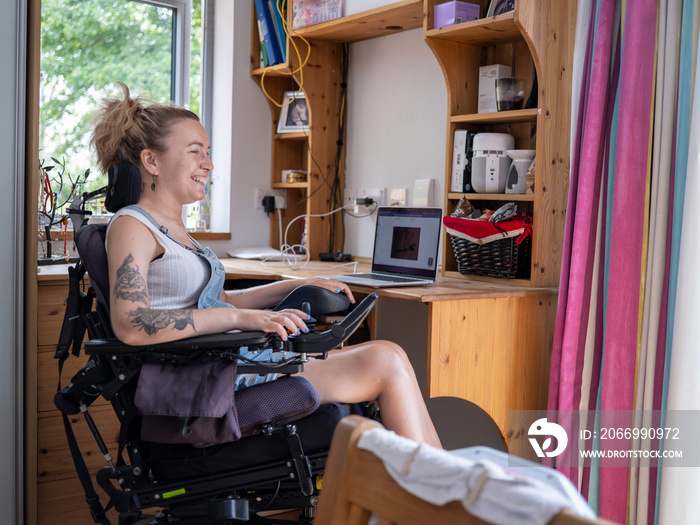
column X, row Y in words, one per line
column 498, row 7
column 294, row 114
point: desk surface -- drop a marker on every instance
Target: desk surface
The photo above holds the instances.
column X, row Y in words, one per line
column 447, row 288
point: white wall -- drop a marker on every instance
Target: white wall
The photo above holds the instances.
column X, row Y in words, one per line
column 241, row 134
column 397, row 111
column 12, row 88
column 397, row 107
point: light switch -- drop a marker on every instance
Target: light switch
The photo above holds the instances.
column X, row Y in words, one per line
column 423, row 193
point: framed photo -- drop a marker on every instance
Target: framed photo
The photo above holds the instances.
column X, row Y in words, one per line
column 294, row 115
column 498, row 7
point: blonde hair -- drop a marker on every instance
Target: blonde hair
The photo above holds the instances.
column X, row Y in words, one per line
column 127, row 126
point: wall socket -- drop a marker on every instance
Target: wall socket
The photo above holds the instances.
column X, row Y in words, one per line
column 377, row 194
column 399, row 197
column 279, row 195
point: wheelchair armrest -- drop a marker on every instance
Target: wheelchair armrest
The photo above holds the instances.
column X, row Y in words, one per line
column 219, row 346
column 322, row 342
column 319, row 300
column 226, row 345
column 224, row 341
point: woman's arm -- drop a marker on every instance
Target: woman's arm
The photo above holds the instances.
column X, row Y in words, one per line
column 130, row 249
column 270, row 294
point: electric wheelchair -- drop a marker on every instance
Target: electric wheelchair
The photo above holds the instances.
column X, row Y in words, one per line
column 274, row 461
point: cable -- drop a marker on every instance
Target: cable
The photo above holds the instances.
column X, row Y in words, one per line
column 336, row 197
column 290, row 254
column 279, row 214
column 280, row 5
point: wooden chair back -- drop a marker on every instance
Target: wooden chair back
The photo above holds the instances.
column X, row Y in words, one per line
column 356, row 485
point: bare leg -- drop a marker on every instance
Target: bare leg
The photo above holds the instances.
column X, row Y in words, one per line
column 375, row 370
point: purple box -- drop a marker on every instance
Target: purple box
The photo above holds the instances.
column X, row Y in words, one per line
column 455, row 13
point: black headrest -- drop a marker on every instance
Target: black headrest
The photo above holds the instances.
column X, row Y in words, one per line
column 90, row 243
column 123, row 186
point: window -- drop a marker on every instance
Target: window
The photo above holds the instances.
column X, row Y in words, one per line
column 156, row 47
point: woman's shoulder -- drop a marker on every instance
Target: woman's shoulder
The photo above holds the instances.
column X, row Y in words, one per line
column 128, row 232
column 136, row 213
column 130, row 221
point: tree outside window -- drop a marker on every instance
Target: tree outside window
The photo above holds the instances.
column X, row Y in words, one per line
column 89, row 45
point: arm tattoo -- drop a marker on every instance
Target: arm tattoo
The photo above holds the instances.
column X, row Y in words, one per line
column 130, row 285
column 151, row 321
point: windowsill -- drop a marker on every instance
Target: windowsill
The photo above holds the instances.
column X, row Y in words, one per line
column 211, row 236
column 58, row 235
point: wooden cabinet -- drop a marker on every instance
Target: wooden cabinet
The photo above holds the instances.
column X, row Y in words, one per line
column 319, row 151
column 55, row 495
column 537, row 37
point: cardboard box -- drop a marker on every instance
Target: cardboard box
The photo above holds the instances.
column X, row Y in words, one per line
column 454, row 13
column 487, row 86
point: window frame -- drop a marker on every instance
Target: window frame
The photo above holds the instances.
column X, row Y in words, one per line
column 182, row 33
column 182, row 36
column 180, row 71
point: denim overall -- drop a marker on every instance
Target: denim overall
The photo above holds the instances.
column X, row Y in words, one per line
column 210, row 297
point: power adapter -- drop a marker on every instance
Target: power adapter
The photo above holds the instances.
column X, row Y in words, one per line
column 364, row 201
column 268, row 203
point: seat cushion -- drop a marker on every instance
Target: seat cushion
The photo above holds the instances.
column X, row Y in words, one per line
column 171, row 462
column 213, row 415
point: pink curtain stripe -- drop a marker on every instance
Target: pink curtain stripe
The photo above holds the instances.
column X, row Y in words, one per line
column 555, row 363
column 582, row 213
column 627, row 232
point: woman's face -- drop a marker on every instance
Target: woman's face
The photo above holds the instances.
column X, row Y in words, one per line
column 184, row 166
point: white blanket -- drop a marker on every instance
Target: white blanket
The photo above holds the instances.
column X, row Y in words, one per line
column 485, row 489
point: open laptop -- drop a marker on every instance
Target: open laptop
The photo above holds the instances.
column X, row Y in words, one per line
column 406, row 242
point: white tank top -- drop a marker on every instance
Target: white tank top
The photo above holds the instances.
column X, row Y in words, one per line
column 176, row 279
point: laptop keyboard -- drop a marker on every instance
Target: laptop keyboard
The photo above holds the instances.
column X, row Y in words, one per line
column 385, row 278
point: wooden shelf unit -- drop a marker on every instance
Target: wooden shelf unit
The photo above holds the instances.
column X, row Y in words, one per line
column 320, row 80
column 314, row 151
column 536, row 37
column 373, row 23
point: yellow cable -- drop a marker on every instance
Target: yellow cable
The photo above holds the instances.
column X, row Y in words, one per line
column 279, row 5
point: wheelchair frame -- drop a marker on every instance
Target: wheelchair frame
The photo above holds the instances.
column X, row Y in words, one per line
column 217, row 498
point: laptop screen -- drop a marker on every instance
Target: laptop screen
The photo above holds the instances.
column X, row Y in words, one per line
column 406, row 241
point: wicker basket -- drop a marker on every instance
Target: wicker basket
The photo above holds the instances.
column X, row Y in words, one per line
column 501, row 258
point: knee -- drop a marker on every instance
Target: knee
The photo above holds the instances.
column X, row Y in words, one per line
column 391, row 357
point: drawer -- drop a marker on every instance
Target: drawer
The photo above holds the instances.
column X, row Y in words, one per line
column 50, row 310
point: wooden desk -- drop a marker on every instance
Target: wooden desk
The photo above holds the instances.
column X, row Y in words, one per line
column 54, row 492
column 488, row 343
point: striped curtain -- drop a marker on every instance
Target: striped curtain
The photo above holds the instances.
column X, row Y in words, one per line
column 628, row 319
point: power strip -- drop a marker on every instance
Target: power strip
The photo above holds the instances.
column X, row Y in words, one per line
column 335, row 256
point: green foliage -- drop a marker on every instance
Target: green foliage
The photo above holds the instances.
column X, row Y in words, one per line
column 89, row 45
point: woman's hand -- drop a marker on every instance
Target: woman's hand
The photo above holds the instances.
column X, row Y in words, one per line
column 283, row 322
column 331, row 284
